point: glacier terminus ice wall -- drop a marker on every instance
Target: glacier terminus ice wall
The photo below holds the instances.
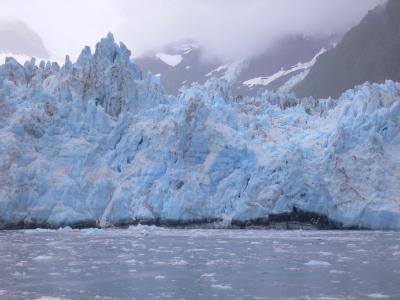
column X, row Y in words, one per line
column 93, row 143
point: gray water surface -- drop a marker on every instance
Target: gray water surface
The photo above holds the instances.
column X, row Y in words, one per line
column 155, row 263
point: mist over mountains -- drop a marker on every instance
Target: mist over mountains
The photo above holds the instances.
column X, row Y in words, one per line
column 185, row 63
column 320, row 67
column 19, row 38
column 226, row 29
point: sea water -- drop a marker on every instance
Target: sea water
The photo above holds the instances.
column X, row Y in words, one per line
column 156, row 263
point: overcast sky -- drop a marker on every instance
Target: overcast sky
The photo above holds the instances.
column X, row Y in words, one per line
column 226, row 28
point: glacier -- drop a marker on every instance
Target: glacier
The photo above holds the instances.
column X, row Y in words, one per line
column 94, row 143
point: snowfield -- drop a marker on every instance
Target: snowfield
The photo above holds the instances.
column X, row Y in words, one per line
column 92, row 143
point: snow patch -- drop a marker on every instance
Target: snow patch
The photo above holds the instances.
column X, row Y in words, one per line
column 298, row 67
column 169, row 59
column 217, row 70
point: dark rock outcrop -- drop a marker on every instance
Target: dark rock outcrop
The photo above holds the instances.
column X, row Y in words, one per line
column 368, row 52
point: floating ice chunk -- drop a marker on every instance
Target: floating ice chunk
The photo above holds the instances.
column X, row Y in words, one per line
column 324, row 253
column 49, row 298
column 208, row 275
column 43, row 257
column 37, row 230
column 336, row 272
column 221, row 286
column 94, row 231
column 178, row 262
column 132, row 262
column 196, row 250
column 378, row 296
column 66, row 228
column 317, row 263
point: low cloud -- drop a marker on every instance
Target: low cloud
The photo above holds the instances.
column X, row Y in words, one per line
column 229, row 29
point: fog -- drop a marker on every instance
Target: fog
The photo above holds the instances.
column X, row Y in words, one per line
column 228, row 29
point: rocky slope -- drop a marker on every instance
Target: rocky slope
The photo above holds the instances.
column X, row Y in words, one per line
column 368, row 52
column 92, row 143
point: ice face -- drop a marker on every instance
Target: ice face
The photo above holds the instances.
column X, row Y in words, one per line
column 92, row 142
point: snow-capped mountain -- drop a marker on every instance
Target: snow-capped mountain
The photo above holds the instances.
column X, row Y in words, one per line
column 92, row 143
column 368, row 52
column 185, row 63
